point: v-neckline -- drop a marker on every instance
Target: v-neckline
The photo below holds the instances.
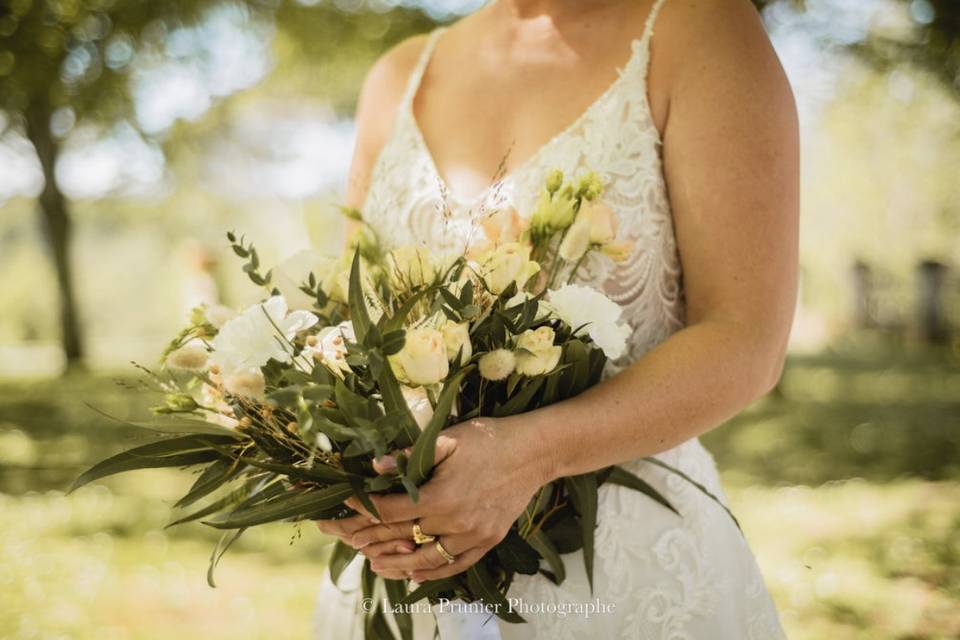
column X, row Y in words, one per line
column 635, row 47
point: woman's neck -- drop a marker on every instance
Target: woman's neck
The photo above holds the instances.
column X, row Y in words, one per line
column 527, row 9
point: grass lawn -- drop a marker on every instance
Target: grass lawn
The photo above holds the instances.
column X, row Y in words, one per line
column 846, row 481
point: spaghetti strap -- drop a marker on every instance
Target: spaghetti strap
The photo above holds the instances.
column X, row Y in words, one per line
column 413, row 84
column 651, row 19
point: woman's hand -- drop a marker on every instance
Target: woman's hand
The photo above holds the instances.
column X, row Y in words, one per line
column 486, row 472
column 400, row 542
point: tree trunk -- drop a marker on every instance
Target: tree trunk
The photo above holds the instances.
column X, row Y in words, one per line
column 57, row 229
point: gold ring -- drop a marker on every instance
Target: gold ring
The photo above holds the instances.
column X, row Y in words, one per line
column 419, row 536
column 450, row 558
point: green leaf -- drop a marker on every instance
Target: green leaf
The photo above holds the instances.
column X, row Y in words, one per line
column 424, row 449
column 358, row 490
column 482, row 584
column 232, row 498
column 540, row 541
column 583, row 494
column 172, row 452
column 293, row 504
column 175, row 426
column 703, row 489
column 396, row 590
column 358, row 305
column 340, row 557
column 515, row 554
column 521, row 400
column 226, row 540
column 395, row 403
column 213, row 477
column 624, row 478
column 428, row 589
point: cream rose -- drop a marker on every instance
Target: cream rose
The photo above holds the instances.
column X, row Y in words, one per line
column 536, row 354
column 507, row 264
column 456, row 336
column 423, row 359
column 600, row 219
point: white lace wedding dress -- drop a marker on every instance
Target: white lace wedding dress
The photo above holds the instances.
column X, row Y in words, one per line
column 668, row 577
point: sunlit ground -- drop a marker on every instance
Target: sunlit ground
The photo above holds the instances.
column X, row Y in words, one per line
column 846, row 483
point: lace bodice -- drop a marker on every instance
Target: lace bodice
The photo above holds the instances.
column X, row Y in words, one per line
column 667, row 577
column 408, row 202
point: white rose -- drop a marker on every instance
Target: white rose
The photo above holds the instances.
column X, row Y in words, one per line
column 507, row 264
column 497, row 364
column 294, row 271
column 250, row 340
column 581, row 306
column 418, row 403
column 423, row 359
column 248, row 383
column 456, row 336
column 536, row 354
column 189, row 357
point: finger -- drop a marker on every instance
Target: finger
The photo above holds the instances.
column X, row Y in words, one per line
column 464, row 561
column 398, row 507
column 381, row 533
column 377, row 549
column 445, row 446
column 426, row 557
column 344, row 527
column 385, row 464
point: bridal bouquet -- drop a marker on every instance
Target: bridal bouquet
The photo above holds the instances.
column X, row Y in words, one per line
column 282, row 408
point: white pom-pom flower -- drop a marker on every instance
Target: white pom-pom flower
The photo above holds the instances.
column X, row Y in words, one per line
column 581, row 306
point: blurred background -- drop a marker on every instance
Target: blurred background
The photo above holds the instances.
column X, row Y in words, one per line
column 133, row 134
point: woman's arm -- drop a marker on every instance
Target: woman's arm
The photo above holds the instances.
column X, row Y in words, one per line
column 730, row 150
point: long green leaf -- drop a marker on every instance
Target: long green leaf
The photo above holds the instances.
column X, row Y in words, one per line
column 226, row 540
column 544, row 546
column 290, row 505
column 483, row 585
column 174, row 426
column 424, row 449
column 213, row 477
column 172, row 452
column 340, row 557
column 703, row 489
column 624, row 478
column 429, row 588
column 358, row 305
column 583, row 494
column 395, row 403
column 396, row 590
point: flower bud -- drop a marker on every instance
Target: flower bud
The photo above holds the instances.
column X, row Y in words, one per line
column 497, row 364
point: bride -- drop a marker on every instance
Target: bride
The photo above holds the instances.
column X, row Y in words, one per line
column 694, row 133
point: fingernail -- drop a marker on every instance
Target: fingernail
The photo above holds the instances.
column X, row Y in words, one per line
column 387, row 463
column 374, row 520
column 404, row 549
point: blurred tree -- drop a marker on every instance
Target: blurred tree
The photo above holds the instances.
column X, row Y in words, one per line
column 68, row 61
column 931, row 41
